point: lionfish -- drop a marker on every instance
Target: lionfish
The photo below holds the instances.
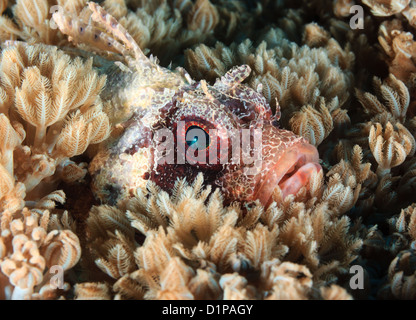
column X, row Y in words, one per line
column 226, row 131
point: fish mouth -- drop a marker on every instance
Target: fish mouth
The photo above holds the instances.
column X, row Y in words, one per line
column 291, row 172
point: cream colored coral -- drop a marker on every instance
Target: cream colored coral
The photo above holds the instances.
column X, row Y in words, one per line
column 3, row 5
column 335, row 292
column 386, row 7
column 92, row 291
column 405, row 223
column 12, row 193
column 174, row 280
column 207, row 245
column 390, row 146
column 400, row 48
column 32, row 21
column 203, row 16
column 10, row 139
column 312, row 124
column 33, row 18
column 401, row 280
column 58, row 111
column 403, row 287
column 208, row 63
column 236, row 287
column 401, row 243
column 117, row 9
column 289, row 281
column 29, row 249
column 394, row 98
column 40, row 87
column 156, row 25
column 410, row 13
column 342, row 7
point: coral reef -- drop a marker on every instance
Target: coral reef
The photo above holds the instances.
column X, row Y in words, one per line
column 195, row 248
column 51, row 112
column 69, row 77
column 33, row 244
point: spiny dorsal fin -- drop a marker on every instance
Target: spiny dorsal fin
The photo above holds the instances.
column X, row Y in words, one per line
column 106, row 35
column 235, row 76
column 112, row 26
column 79, row 31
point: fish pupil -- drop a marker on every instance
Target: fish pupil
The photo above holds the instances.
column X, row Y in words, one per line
column 193, row 141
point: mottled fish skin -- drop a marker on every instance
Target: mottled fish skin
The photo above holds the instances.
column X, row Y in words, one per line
column 153, row 98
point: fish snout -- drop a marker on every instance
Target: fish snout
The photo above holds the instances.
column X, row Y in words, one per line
column 289, row 167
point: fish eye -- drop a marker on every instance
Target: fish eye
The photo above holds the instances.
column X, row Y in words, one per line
column 197, row 137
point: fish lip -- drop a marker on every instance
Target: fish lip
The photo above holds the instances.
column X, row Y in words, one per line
column 297, row 157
